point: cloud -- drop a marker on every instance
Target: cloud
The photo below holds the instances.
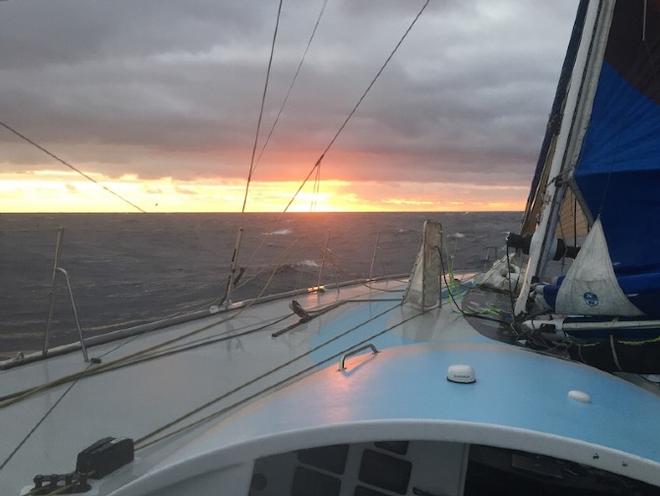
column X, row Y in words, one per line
column 185, row 191
column 163, row 88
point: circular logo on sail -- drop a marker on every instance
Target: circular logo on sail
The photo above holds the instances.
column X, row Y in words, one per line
column 590, row 299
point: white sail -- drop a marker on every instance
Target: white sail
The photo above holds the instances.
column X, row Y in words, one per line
column 591, row 287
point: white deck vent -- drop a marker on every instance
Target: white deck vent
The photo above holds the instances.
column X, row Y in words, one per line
column 423, row 289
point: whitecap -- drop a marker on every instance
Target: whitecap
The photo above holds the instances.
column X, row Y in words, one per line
column 308, row 263
column 278, row 232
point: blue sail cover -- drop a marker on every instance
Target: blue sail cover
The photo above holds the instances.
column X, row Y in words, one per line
column 618, row 172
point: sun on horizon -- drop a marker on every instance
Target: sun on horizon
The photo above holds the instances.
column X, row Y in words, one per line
column 57, row 191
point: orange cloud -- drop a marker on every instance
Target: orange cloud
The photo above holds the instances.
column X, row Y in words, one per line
column 57, row 191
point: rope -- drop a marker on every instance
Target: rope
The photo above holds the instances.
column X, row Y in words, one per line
column 292, row 84
column 67, row 164
column 140, row 443
column 615, row 356
column 50, row 410
column 511, row 296
column 357, row 105
column 451, row 296
column 163, row 351
column 332, row 259
column 21, row 395
column 36, row 426
column 261, row 108
column 222, row 337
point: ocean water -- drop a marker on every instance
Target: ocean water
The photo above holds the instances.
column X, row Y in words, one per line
column 128, row 269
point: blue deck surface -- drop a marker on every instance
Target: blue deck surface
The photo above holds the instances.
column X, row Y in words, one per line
column 514, row 388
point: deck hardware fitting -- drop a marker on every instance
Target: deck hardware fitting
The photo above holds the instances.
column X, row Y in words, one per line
column 373, row 255
column 51, row 297
column 461, row 374
column 579, row 396
column 370, row 346
column 319, row 288
column 233, row 277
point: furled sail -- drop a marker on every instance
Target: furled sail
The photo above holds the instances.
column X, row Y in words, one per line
column 602, row 167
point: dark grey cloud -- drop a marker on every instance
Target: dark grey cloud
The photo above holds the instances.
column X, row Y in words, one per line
column 171, row 88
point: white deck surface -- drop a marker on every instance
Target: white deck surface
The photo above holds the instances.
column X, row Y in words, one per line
column 135, row 400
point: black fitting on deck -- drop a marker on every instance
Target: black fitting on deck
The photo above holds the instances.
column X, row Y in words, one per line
column 519, row 242
column 95, row 462
column 300, row 311
column 71, row 483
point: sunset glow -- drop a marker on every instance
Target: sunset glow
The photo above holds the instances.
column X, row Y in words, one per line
column 167, row 115
column 56, row 191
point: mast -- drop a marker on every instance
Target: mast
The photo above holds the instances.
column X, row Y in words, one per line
column 574, row 123
column 540, row 179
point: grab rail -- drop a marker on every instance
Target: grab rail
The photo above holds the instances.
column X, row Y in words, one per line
column 342, row 363
column 57, row 269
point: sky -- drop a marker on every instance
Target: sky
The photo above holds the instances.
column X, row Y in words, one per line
column 158, row 100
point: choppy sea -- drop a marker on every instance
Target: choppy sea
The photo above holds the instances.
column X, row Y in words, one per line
column 128, row 269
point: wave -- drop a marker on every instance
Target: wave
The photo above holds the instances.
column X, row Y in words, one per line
column 457, row 235
column 307, row 263
column 278, row 232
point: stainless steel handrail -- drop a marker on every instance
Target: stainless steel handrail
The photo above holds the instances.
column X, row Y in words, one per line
column 342, row 363
column 373, row 255
column 51, row 297
column 322, row 266
column 83, row 347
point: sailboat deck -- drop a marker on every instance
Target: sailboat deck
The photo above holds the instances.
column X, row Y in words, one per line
column 51, row 427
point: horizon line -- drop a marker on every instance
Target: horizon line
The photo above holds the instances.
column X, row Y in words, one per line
column 238, row 212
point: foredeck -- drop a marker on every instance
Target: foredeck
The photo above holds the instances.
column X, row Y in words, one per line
column 43, row 433
column 518, row 389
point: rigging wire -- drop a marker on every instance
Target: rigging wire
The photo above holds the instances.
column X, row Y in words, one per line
column 357, row 105
column 70, row 166
column 317, row 164
column 167, row 351
column 36, row 425
column 332, row 260
column 167, row 348
column 291, row 85
column 261, row 108
column 316, row 188
column 140, row 443
column 21, row 395
column 50, row 410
